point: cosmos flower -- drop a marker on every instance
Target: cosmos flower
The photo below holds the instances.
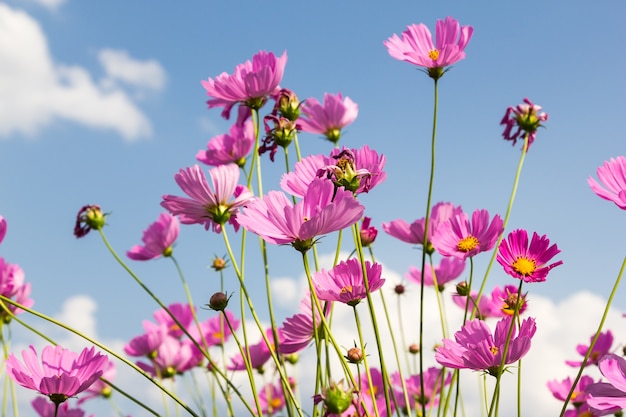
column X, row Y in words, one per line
column 609, row 397
column 250, row 84
column 328, row 118
column 172, row 357
column 601, row 348
column 463, row 239
column 45, row 408
column 3, row 228
column 416, row 45
column 345, row 282
column 476, row 348
column 12, row 286
column 560, row 389
column 230, row 148
column 433, row 379
column 271, row 399
column 62, row 374
column 157, row 239
column 259, row 353
column 367, row 233
column 101, row 388
column 215, row 330
column 147, row 343
column 612, row 186
column 528, row 263
column 526, row 117
column 210, row 206
column 414, row 232
column 449, row 269
column 298, row 330
column 183, row 314
column 322, row 210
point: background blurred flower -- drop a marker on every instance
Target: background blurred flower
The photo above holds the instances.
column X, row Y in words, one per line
column 157, row 239
column 612, row 176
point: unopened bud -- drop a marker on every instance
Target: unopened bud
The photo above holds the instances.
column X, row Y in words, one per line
column 218, row 301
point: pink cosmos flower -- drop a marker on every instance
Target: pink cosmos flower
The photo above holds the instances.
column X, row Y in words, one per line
column 259, row 353
column 45, row 408
column 3, row 228
column 609, row 397
column 158, row 239
column 329, row 118
column 183, row 314
column 504, row 301
column 448, row 270
column 462, row 239
column 368, row 397
column 215, row 330
column 601, row 348
column 612, row 186
column 147, row 343
column 367, row 233
column 62, row 373
column 230, row 148
column 250, row 84
column 345, row 282
column 12, row 286
column 527, row 262
column 101, row 388
column 298, row 330
column 208, row 205
column 560, row 389
column 527, row 117
column 322, row 210
column 416, row 45
column 271, row 399
column 414, row 232
column 172, row 357
column 476, row 348
column 433, row 379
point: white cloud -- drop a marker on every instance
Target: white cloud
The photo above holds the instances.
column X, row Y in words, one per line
column 35, row 91
column 50, row 4
column 120, row 66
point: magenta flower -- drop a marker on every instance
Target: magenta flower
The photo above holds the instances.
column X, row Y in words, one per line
column 414, row 232
column 322, row 210
column 601, row 348
column 476, row 348
column 560, row 390
column 62, row 373
column 527, row 117
column 416, row 45
column 367, row 233
column 368, row 397
column 448, row 270
column 230, row 148
column 609, row 397
column 527, row 262
column 172, row 357
column 3, row 228
column 101, row 388
column 208, row 205
column 612, row 186
column 271, row 399
column 504, row 301
column 259, row 353
column 215, row 330
column 12, row 286
column 45, row 408
column 329, row 118
column 462, row 239
column 345, row 282
column 250, row 84
column 183, row 314
column 148, row 343
column 434, row 379
column 298, row 330
column 158, row 239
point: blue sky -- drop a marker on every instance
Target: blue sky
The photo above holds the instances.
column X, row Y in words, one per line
column 101, row 103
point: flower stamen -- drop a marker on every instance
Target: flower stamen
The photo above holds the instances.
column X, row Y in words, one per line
column 467, row 244
column 433, row 54
column 524, row 266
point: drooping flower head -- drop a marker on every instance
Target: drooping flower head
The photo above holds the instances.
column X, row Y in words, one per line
column 250, row 84
column 89, row 217
column 475, row 347
column 416, row 45
column 449, row 269
column 462, row 239
column 609, row 397
column 612, row 186
column 328, row 118
column 526, row 117
column 208, row 205
column 602, row 347
column 414, row 232
column 528, row 263
column 345, row 282
column 322, row 210
column 62, row 374
column 158, row 239
column 230, row 148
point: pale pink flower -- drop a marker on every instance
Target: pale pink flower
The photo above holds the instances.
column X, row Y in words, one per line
column 475, row 347
column 449, row 269
column 322, row 210
column 560, row 389
column 298, row 330
column 416, row 45
column 271, row 399
column 612, row 186
column 230, row 148
column 147, row 343
column 463, row 239
column 250, row 84
column 45, row 408
column 609, row 397
column 434, row 379
column 183, row 314
column 3, row 228
column 259, row 353
column 208, row 205
column 157, row 239
column 12, row 286
column 414, row 232
column 172, row 357
column 527, row 117
column 528, row 263
column 345, row 282
column 601, row 348
column 60, row 375
column 328, row 118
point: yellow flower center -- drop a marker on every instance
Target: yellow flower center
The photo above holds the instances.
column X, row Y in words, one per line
column 346, row 289
column 434, row 54
column 275, row 403
column 467, row 244
column 494, row 350
column 217, row 335
column 524, row 266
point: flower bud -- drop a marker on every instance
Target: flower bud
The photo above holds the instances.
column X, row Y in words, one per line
column 414, row 349
column 368, row 234
column 219, row 263
column 336, row 399
column 218, row 301
column 89, row 217
column 354, row 355
column 462, row 289
column 399, row 289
